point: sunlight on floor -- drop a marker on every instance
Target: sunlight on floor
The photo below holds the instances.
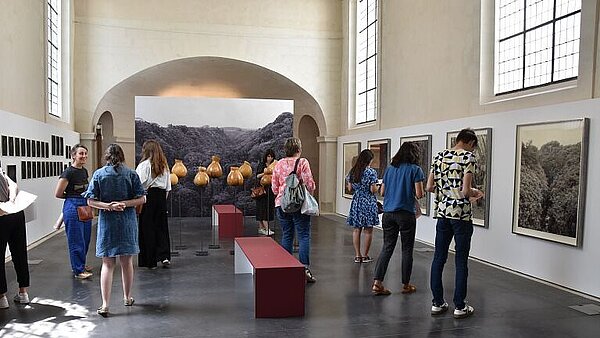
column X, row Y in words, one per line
column 71, row 320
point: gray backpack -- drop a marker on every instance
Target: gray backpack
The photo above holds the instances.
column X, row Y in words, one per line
column 294, row 193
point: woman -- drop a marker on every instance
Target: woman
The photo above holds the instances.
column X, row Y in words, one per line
column 116, row 190
column 154, row 228
column 402, row 183
column 13, row 234
column 265, row 205
column 362, row 179
column 295, row 221
column 71, row 184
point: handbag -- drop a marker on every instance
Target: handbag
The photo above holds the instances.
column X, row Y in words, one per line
column 258, row 192
column 310, row 206
column 85, row 213
column 379, row 208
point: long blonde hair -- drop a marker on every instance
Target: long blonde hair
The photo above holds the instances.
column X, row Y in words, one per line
column 153, row 151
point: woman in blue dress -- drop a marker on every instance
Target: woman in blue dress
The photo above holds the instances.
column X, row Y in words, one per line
column 362, row 180
column 116, row 190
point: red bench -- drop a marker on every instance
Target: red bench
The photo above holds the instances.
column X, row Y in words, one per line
column 229, row 221
column 279, row 278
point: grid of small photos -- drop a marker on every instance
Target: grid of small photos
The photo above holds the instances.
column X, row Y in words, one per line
column 32, row 151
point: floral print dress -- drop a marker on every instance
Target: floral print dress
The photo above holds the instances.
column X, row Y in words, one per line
column 363, row 211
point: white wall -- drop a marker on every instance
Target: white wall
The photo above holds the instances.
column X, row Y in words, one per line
column 42, row 214
column 572, row 267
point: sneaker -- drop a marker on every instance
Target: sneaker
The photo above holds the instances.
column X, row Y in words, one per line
column 309, row 276
column 83, row 275
column 367, row 259
column 21, row 298
column 3, row 302
column 166, row 262
column 439, row 309
column 463, row 313
column 262, row 231
column 270, row 232
column 357, row 259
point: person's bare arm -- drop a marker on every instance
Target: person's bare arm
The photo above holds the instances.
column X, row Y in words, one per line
column 59, row 191
column 430, row 183
column 382, row 189
column 419, row 189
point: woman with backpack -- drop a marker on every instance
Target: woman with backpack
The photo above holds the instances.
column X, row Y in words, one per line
column 294, row 221
column 362, row 180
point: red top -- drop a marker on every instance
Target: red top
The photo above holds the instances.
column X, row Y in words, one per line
column 226, row 208
column 264, row 253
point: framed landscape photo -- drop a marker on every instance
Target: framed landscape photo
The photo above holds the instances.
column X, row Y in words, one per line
column 424, row 144
column 350, row 153
column 482, row 178
column 550, row 180
column 381, row 150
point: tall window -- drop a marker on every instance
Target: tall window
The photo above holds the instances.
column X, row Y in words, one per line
column 53, row 57
column 537, row 43
column 366, row 60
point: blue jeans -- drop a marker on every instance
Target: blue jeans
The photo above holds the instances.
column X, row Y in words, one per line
column 301, row 224
column 78, row 233
column 462, row 231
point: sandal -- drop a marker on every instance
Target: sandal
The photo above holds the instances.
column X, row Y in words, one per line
column 380, row 290
column 357, row 259
column 103, row 311
column 409, row 288
column 128, row 301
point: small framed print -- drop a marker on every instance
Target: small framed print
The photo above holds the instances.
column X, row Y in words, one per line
column 28, row 148
column 11, row 146
column 23, row 170
column 424, row 144
column 23, row 147
column 29, row 170
column 381, row 152
column 4, row 145
column 350, row 154
column 17, row 146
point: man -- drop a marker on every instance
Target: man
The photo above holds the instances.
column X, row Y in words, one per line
column 451, row 180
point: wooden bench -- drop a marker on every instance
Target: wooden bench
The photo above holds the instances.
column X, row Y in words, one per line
column 279, row 278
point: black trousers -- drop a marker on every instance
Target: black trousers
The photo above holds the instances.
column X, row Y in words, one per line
column 13, row 233
column 154, row 238
column 402, row 222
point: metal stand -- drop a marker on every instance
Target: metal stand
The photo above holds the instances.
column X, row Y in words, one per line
column 215, row 229
column 173, row 253
column 180, row 246
column 202, row 251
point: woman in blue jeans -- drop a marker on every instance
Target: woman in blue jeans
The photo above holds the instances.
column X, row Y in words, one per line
column 72, row 182
column 402, row 183
column 295, row 221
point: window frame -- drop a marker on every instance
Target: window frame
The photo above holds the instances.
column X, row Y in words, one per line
column 376, row 57
column 54, row 56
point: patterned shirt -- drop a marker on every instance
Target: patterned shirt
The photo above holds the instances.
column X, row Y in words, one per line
column 449, row 167
column 283, row 168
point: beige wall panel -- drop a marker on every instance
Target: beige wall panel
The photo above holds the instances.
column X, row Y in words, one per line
column 296, row 38
column 23, row 58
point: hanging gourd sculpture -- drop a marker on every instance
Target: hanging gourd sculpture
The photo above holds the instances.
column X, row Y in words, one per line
column 246, row 170
column 174, row 179
column 214, row 169
column 179, row 169
column 201, row 179
column 268, row 174
column 235, row 177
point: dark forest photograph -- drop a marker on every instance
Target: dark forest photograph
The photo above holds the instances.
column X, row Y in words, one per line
column 424, row 144
column 550, row 175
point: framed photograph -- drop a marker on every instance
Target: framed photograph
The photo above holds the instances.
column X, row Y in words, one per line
column 17, row 146
column 29, row 173
column 4, row 145
column 550, row 180
column 38, row 149
column 381, row 150
column 23, row 170
column 47, row 150
column 53, row 145
column 11, row 146
column 424, row 143
column 11, row 171
column 23, row 148
column 28, row 148
column 482, row 178
column 350, row 153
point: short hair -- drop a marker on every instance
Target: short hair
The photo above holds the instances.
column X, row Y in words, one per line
column 292, row 146
column 114, row 155
column 75, row 147
column 467, row 135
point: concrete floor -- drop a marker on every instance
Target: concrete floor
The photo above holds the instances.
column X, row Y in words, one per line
column 201, row 296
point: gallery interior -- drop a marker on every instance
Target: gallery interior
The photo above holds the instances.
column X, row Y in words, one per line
column 342, row 76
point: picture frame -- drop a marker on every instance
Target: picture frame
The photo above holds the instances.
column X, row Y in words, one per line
column 11, row 146
column 381, row 159
column 424, row 143
column 4, row 145
column 551, row 167
column 17, row 146
column 482, row 179
column 350, row 152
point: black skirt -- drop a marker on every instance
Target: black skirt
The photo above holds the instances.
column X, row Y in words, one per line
column 265, row 206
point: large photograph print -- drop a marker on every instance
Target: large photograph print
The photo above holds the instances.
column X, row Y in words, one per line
column 194, row 130
column 424, row 144
column 482, row 177
column 350, row 153
column 381, row 159
column 550, row 180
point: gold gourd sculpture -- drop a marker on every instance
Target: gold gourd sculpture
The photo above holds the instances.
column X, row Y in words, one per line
column 201, row 179
column 246, row 170
column 214, row 168
column 179, row 169
column 174, row 179
column 235, row 177
column 268, row 172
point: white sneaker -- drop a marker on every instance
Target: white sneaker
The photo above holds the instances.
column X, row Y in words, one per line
column 21, row 298
column 3, row 302
column 439, row 309
column 270, row 232
column 262, row 231
column 166, row 262
column 463, row 313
